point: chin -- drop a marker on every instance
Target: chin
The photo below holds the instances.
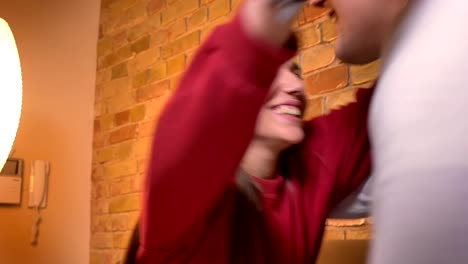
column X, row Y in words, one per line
column 293, row 137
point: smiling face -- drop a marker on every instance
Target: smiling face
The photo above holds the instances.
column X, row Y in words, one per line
column 279, row 122
column 363, row 26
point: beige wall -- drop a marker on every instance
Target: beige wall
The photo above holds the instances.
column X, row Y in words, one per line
column 57, row 45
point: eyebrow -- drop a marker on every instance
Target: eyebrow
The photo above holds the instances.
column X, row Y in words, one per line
column 296, row 69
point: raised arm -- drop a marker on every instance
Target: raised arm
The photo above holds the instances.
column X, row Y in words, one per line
column 339, row 143
column 202, row 135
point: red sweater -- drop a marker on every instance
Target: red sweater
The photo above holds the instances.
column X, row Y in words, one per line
column 193, row 211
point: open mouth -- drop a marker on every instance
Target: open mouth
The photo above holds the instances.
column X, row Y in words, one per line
column 288, row 110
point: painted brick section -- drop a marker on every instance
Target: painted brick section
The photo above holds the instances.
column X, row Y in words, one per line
column 328, row 80
column 308, row 36
column 365, row 73
column 143, row 48
column 180, row 45
column 317, row 57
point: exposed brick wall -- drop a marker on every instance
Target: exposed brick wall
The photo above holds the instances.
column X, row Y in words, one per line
column 143, row 47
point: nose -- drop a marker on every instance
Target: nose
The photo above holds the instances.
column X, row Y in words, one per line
column 296, row 89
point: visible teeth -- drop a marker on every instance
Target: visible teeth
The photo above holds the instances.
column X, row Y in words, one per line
column 288, row 110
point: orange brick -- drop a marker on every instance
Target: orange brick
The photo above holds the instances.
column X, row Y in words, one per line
column 97, row 172
column 190, row 56
column 122, row 134
column 340, row 99
column 198, row 18
column 125, row 203
column 159, row 37
column 158, row 72
column 101, row 240
column 103, row 76
column 100, row 190
column 122, row 118
column 142, row 165
column 156, row 6
column 138, row 113
column 132, row 219
column 308, row 37
column 100, row 207
column 104, row 155
column 314, row 108
column 96, row 126
column 207, row 29
column 101, row 223
column 154, row 21
column 106, row 122
column 138, row 31
column 333, row 233
column 100, row 139
column 180, row 45
column 121, row 186
column 120, row 169
column 327, row 80
column 121, row 101
column 118, row 255
column 115, row 87
column 123, row 150
column 118, row 7
column 358, row 233
column 328, row 30
column 235, row 5
column 347, row 222
column 132, row 15
column 146, row 129
column 179, row 9
column 99, row 109
column 100, row 256
column 141, row 45
column 176, row 65
column 106, row 3
column 317, row 57
column 152, row 91
column 300, row 18
column 312, row 13
column 142, row 147
column 156, row 106
column 177, row 28
column 219, row 8
column 144, row 60
column 119, row 71
column 105, row 46
column 141, row 78
column 120, row 39
column 120, row 222
column 365, row 73
column 121, row 240
column 175, row 82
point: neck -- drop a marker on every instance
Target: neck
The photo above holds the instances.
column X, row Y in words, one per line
column 260, row 160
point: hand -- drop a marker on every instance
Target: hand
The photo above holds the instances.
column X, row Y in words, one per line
column 270, row 20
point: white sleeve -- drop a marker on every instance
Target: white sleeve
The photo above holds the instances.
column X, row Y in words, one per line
column 419, row 135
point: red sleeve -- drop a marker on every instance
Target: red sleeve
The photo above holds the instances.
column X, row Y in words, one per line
column 340, row 142
column 202, row 135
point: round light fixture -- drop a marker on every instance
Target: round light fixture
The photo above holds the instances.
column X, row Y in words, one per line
column 11, row 91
